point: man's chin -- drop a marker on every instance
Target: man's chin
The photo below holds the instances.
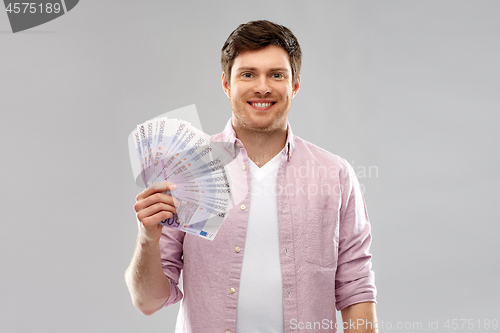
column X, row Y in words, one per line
column 263, row 127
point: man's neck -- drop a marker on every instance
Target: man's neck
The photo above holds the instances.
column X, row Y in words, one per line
column 262, row 146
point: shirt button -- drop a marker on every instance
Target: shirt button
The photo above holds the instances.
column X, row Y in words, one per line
column 228, row 331
column 238, row 144
column 231, row 290
column 237, row 249
column 244, row 167
column 243, row 207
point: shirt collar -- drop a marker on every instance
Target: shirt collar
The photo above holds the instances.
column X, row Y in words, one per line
column 229, row 135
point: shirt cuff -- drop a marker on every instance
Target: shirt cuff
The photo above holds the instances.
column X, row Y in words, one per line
column 360, row 298
column 175, row 294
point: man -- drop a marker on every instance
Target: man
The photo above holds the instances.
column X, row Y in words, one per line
column 284, row 258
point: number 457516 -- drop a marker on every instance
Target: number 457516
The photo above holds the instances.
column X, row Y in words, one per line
column 31, row 7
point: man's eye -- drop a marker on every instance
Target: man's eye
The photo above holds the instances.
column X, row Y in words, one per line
column 247, row 75
column 278, row 76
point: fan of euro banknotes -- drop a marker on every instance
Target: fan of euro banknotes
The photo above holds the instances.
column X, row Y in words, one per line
column 175, row 151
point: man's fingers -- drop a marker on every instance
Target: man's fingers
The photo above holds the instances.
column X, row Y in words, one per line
column 155, row 209
column 156, row 198
column 153, row 220
column 154, row 206
column 156, row 188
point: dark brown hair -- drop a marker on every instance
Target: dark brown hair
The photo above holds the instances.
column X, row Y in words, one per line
column 256, row 35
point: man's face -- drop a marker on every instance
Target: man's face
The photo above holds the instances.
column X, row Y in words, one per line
column 261, row 89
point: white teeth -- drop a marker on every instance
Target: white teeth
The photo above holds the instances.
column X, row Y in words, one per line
column 262, row 105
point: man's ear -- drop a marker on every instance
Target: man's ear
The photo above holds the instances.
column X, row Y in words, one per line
column 296, row 86
column 225, row 85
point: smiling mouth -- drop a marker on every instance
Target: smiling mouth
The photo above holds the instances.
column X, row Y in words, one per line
column 262, row 105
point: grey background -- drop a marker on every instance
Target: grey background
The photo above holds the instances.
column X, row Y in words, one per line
column 409, row 88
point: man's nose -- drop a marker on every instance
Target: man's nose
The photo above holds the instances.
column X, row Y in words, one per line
column 262, row 86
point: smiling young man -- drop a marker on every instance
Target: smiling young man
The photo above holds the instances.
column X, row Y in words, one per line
column 296, row 245
column 261, row 89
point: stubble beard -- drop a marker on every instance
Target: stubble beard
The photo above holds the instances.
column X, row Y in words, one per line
column 268, row 128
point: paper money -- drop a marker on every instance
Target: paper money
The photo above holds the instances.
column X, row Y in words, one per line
column 175, row 151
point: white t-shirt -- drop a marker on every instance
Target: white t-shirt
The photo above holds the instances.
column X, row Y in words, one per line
column 260, row 305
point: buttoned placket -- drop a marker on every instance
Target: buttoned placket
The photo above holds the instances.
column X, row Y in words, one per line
column 285, row 229
column 239, row 243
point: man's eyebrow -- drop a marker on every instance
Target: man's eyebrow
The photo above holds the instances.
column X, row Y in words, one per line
column 277, row 69
column 240, row 69
column 280, row 69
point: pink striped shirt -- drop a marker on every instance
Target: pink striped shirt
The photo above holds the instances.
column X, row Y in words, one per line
column 324, row 240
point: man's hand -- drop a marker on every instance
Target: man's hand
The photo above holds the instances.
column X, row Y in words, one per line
column 148, row 285
column 153, row 206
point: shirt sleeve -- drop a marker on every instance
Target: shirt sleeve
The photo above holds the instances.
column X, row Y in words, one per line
column 354, row 281
column 171, row 245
